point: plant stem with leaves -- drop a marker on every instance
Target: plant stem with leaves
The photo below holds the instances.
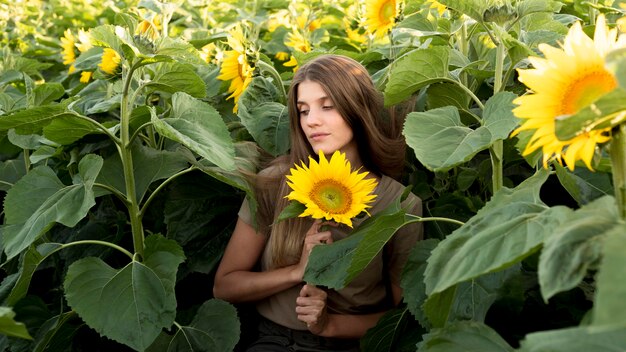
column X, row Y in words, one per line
column 618, row 160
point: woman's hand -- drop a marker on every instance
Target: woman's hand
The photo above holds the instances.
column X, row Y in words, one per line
column 313, row 238
column 311, row 308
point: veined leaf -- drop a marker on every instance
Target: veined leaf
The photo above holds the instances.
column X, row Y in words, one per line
column 199, row 127
column 214, row 328
column 584, row 185
column 262, row 113
column 471, row 8
column 576, row 246
column 47, row 93
column 388, row 330
column 131, row 305
column 412, row 283
column 415, row 70
column 464, row 336
column 29, row 262
column 508, row 228
column 9, row 327
column 175, row 77
column 39, row 200
column 610, row 306
column 578, row 339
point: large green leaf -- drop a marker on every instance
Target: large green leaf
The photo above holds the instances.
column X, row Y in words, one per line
column 336, row 264
column 149, row 165
column 32, row 120
column 464, row 336
column 131, row 305
column 175, row 77
column 263, row 114
column 68, row 129
column 9, row 327
column 47, row 93
column 575, row 246
column 199, row 127
column 388, row 330
column 415, row 70
column 441, row 141
column 29, row 261
column 508, row 228
column 412, row 283
column 578, row 339
column 584, row 185
column 39, row 200
column 610, row 305
column 215, row 328
column 10, row 172
column 56, row 333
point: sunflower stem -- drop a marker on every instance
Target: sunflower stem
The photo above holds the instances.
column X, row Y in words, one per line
column 265, row 67
column 496, row 149
column 618, row 161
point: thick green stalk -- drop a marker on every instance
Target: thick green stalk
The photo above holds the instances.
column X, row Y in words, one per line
column 127, row 164
column 496, row 149
column 618, row 161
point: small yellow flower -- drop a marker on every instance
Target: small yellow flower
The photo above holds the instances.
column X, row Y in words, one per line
column 297, row 41
column 235, row 66
column 437, row 6
column 150, row 28
column 84, row 41
column 85, row 76
column 330, row 189
column 72, row 69
column 110, row 61
column 292, row 63
column 281, row 55
column 380, row 16
column 68, row 42
column 562, row 83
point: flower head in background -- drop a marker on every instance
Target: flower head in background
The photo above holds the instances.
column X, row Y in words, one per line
column 565, row 81
column 85, row 76
column 330, row 189
column 235, row 65
column 68, row 44
column 110, row 61
column 380, row 16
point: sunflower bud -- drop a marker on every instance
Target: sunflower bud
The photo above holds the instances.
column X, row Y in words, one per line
column 500, row 13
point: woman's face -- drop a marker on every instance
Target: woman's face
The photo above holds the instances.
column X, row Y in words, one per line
column 323, row 126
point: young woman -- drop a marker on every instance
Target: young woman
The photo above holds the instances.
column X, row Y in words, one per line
column 333, row 105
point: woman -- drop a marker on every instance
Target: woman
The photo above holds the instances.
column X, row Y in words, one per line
column 333, row 105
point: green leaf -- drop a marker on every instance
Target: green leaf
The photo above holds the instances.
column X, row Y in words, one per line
column 471, row 8
column 57, row 333
column 605, row 112
column 446, row 94
column 388, row 330
column 29, row 262
column 47, row 93
column 106, row 36
column 149, row 165
column 214, row 328
column 30, row 121
column 39, row 200
column 610, row 306
column 172, row 77
column 199, row 127
column 9, row 327
column 130, row 305
column 415, row 70
column 262, row 113
column 179, row 50
column 464, row 336
column 578, row 339
column 336, row 264
column 526, row 7
column 292, row 210
column 584, row 185
column 68, row 129
column 412, row 282
column 27, row 141
column 441, row 141
column 10, row 172
column 508, row 228
column 575, row 246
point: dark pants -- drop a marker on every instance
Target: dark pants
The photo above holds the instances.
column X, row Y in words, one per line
column 274, row 337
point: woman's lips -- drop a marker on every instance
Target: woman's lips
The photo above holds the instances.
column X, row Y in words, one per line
column 318, row 136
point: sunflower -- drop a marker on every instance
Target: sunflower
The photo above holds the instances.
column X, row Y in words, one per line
column 110, row 61
column 85, row 76
column 330, row 189
column 235, row 66
column 297, row 41
column 437, row 6
column 380, row 16
column 565, row 81
column 293, row 62
column 68, row 42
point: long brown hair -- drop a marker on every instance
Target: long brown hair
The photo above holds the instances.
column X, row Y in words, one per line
column 379, row 143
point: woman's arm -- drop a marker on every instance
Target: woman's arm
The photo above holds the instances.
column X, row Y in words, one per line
column 236, row 282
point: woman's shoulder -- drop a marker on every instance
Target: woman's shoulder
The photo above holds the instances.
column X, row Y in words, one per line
column 390, row 189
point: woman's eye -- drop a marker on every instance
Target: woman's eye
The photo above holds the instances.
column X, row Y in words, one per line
column 327, row 107
column 304, row 112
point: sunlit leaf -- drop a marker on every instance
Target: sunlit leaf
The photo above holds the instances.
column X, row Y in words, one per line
column 9, row 327
column 610, row 306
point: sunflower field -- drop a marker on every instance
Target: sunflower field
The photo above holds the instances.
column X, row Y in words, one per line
column 126, row 126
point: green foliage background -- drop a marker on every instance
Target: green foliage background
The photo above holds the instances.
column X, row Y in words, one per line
column 120, row 193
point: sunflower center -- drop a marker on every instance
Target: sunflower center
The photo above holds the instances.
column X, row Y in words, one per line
column 584, row 90
column 387, row 12
column 331, row 196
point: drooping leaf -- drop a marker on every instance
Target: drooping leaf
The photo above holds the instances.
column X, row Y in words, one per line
column 32, row 120
column 464, row 336
column 262, row 112
column 199, row 127
column 39, row 200
column 130, row 305
column 57, row 333
column 575, row 246
column 584, row 185
column 10, row 327
column 214, row 328
column 508, row 228
column 29, row 262
column 175, row 77
column 415, row 70
column 610, row 306
column 66, row 130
